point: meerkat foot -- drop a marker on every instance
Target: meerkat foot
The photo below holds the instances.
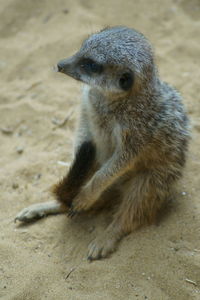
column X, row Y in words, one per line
column 40, row 210
column 101, row 248
column 103, row 245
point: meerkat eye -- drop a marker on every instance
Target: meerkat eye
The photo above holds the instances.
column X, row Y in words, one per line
column 126, row 81
column 89, row 66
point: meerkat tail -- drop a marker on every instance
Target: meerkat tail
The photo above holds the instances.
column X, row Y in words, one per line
column 66, row 190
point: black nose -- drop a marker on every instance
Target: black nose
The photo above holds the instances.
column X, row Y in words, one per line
column 61, row 66
column 67, row 65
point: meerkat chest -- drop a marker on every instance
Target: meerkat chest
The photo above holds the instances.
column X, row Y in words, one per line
column 102, row 124
column 102, row 133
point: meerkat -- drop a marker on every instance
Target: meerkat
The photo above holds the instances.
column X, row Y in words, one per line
column 132, row 137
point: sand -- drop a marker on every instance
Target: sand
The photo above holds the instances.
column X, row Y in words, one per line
column 47, row 259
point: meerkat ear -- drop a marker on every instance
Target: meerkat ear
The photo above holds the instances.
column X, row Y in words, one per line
column 126, row 81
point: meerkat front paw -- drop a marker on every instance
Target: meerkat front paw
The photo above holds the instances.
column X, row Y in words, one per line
column 102, row 246
column 30, row 213
column 40, row 210
column 82, row 202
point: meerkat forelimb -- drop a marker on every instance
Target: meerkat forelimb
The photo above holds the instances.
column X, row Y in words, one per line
column 67, row 188
column 115, row 167
column 39, row 210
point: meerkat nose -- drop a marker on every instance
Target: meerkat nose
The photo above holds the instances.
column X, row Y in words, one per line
column 68, row 66
column 61, row 66
column 65, row 65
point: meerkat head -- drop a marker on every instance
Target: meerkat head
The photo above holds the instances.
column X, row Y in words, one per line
column 117, row 59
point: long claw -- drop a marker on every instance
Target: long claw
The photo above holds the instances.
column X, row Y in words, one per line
column 71, row 213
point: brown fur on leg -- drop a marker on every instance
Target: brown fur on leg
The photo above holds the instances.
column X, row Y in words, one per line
column 70, row 185
column 142, row 200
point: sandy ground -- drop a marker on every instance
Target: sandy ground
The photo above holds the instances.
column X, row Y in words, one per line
column 158, row 262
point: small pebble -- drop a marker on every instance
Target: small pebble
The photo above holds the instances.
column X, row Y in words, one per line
column 65, row 11
column 37, row 176
column 176, row 249
column 20, row 150
column 63, row 163
column 15, row 185
column 47, row 18
column 7, row 130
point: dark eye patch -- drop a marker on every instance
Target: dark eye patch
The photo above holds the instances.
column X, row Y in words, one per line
column 126, row 81
column 90, row 66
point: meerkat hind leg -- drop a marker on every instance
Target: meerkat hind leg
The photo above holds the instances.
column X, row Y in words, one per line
column 140, row 202
column 105, row 243
column 40, row 210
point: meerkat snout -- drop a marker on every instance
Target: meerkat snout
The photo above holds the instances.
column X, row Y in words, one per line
column 61, row 66
column 68, row 67
column 80, row 68
column 95, row 74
